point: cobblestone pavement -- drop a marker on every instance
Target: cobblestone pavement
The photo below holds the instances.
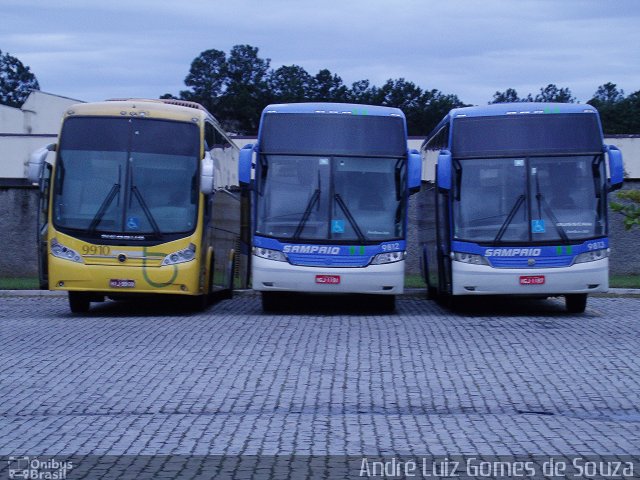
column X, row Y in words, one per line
column 148, row 379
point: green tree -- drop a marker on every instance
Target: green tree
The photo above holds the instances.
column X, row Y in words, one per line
column 362, row 92
column 328, row 87
column 629, row 207
column 16, row 81
column 290, row 84
column 631, row 113
column 608, row 93
column 406, row 96
column 435, row 106
column 510, row 95
column 610, row 103
column 207, row 78
column 246, row 91
column 551, row 93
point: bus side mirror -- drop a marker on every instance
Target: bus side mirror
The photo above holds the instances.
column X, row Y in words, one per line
column 616, row 168
column 36, row 162
column 206, row 174
column 414, row 171
column 244, row 165
column 444, row 170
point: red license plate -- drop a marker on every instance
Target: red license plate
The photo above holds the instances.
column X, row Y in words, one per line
column 120, row 283
column 328, row 279
column 532, row 280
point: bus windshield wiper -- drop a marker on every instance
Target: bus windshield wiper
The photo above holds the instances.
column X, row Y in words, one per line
column 103, row 207
column 541, row 200
column 352, row 220
column 507, row 221
column 307, row 212
column 146, row 210
column 552, row 216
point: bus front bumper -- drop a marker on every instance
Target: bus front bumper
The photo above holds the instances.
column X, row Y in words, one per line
column 589, row 277
column 270, row 275
column 116, row 280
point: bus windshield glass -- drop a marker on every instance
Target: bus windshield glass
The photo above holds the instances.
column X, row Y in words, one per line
column 331, row 198
column 529, row 199
column 127, row 176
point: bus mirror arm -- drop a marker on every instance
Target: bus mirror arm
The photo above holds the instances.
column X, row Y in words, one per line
column 36, row 162
column 244, row 164
column 206, row 174
column 616, row 167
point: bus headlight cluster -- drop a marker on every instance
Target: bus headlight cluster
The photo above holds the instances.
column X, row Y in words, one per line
column 389, row 257
column 61, row 251
column 592, row 256
column 181, row 256
column 470, row 258
column 269, row 254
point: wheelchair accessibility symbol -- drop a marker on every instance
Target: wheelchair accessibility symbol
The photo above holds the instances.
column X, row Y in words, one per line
column 537, row 226
column 133, row 223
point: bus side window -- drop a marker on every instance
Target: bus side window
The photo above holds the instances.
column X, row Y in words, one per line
column 209, row 136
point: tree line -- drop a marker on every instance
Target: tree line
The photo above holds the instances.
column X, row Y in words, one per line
column 238, row 85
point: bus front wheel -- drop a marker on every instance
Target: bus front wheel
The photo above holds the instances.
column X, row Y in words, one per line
column 272, row 301
column 79, row 302
column 386, row 303
column 576, row 303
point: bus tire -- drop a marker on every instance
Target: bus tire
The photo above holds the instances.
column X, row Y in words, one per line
column 447, row 301
column 197, row 303
column 230, row 272
column 79, row 302
column 576, row 302
column 210, row 292
column 386, row 303
column 271, row 301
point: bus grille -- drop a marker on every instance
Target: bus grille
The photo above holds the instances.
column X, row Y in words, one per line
column 310, row 260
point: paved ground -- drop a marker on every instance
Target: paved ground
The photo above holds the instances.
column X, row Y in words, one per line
column 149, row 379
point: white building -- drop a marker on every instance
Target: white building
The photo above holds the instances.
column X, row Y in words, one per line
column 23, row 130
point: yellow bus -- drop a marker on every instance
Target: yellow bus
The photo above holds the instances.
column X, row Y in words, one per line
column 140, row 197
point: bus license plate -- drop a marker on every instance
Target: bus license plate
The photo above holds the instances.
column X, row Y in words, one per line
column 119, row 283
column 328, row 279
column 532, row 280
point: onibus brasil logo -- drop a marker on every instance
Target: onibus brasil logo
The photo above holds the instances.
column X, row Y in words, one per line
column 34, row 468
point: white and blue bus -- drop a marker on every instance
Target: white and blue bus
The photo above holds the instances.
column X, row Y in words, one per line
column 330, row 187
column 520, row 202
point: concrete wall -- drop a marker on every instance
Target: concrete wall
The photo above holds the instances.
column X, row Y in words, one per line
column 18, row 209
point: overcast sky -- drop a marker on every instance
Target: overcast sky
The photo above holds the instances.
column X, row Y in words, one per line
column 91, row 50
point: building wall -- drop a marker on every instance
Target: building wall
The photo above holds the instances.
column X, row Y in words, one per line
column 19, row 146
column 43, row 112
column 23, row 130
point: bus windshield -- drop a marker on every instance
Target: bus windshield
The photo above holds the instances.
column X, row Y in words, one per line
column 129, row 176
column 529, row 199
column 331, row 198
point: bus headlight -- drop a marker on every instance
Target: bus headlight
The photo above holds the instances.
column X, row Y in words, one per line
column 270, row 254
column 181, row 256
column 470, row 258
column 389, row 257
column 61, row 251
column 592, row 256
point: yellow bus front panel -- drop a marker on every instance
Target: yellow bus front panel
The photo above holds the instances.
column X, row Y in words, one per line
column 169, row 268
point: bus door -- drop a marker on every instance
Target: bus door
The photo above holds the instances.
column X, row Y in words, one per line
column 43, row 224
